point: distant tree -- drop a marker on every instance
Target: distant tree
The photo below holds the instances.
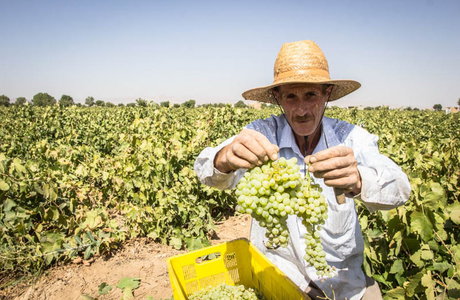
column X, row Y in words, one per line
column 176, row 105
column 165, row 104
column 89, row 101
column 109, row 104
column 458, row 102
column 240, row 104
column 189, row 104
column 416, row 108
column 266, row 105
column 153, row 104
column 120, row 104
column 437, row 107
column 141, row 102
column 43, row 99
column 66, row 100
column 131, row 104
column 4, row 100
column 20, row 101
column 99, row 103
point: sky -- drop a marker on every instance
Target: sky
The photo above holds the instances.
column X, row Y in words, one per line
column 404, row 53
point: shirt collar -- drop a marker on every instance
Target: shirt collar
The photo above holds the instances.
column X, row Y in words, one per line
column 328, row 137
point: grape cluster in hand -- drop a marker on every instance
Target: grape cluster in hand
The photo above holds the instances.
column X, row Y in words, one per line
column 226, row 292
column 277, row 189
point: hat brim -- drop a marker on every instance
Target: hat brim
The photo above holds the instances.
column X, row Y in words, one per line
column 265, row 94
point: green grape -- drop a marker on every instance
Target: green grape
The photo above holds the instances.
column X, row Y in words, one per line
column 225, row 291
column 274, row 191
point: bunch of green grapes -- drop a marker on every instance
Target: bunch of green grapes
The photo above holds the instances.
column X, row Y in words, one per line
column 226, row 292
column 277, row 189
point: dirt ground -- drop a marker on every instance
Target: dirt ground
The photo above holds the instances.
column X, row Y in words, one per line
column 139, row 258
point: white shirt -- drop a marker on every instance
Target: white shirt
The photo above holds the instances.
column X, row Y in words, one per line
column 384, row 186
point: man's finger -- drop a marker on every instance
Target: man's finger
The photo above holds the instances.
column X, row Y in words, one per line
column 237, row 163
column 253, row 146
column 331, row 164
column 270, row 149
column 333, row 174
column 343, row 183
column 244, row 153
column 335, row 151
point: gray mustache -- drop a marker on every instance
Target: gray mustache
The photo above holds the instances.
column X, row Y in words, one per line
column 303, row 119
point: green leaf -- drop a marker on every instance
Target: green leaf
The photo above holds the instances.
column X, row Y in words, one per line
column 456, row 251
column 395, row 294
column 18, row 166
column 196, row 243
column 176, row 243
column 436, row 197
column 421, row 224
column 87, row 254
column 417, row 259
column 397, row 238
column 127, row 294
column 129, row 282
column 8, row 205
column 413, row 283
column 363, row 222
column 4, row 186
column 441, row 267
column 86, row 297
column 397, row 267
column 453, row 287
column 426, row 253
column 428, row 282
column 454, row 212
column 104, row 288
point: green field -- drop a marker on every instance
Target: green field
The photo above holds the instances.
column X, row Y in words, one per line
column 80, row 181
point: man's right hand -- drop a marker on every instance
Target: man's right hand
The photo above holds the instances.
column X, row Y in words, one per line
column 250, row 148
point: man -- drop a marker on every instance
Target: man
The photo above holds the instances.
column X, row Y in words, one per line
column 341, row 157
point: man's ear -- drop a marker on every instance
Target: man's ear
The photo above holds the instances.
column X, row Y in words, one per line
column 276, row 94
column 329, row 90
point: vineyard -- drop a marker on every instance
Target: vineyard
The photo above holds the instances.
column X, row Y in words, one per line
column 80, row 181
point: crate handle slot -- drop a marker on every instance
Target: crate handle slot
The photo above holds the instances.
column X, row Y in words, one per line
column 208, row 257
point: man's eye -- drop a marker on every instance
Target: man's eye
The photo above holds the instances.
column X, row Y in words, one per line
column 290, row 96
column 311, row 94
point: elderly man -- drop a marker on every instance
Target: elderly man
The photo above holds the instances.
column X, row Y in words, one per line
column 343, row 158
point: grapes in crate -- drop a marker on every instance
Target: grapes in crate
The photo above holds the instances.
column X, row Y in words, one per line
column 226, row 292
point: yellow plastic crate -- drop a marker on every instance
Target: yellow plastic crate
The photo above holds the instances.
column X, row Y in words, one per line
column 235, row 262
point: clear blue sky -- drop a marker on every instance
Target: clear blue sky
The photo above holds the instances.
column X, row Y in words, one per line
column 404, row 53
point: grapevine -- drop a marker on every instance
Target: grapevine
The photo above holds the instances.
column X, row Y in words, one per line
column 274, row 191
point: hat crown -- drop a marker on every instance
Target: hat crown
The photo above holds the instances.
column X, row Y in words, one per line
column 302, row 60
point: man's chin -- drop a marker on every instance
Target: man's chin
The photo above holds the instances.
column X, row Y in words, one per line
column 303, row 132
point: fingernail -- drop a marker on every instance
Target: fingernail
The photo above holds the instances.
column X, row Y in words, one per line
column 265, row 158
column 313, row 159
column 275, row 156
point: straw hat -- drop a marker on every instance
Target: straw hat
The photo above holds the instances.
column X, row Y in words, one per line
column 301, row 62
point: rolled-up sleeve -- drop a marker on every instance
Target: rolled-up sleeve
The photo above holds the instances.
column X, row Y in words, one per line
column 384, row 184
column 209, row 175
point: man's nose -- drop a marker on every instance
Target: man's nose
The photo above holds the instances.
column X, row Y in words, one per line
column 305, row 106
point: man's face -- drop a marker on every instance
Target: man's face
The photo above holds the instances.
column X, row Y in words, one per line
column 303, row 105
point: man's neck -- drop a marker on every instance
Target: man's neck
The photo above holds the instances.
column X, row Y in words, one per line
column 308, row 143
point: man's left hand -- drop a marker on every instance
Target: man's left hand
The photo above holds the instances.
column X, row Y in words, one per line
column 338, row 166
